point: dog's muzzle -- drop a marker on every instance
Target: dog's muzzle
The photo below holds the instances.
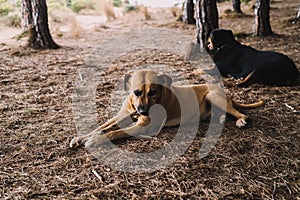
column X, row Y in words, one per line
column 143, row 110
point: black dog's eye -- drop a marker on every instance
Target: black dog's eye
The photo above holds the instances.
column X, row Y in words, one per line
column 152, row 93
column 137, row 93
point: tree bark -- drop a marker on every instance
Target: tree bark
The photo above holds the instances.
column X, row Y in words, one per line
column 207, row 19
column 188, row 12
column 35, row 20
column 262, row 18
column 236, row 4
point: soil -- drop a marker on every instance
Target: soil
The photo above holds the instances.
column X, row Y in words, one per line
column 41, row 90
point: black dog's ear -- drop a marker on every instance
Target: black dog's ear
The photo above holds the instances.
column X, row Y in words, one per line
column 126, row 81
column 230, row 34
column 165, row 80
column 220, row 37
column 213, row 33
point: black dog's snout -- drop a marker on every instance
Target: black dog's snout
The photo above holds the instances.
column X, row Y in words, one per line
column 143, row 110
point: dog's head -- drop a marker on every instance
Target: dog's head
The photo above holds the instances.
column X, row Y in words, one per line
column 146, row 89
column 219, row 38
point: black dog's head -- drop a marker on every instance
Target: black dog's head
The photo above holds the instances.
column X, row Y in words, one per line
column 219, row 38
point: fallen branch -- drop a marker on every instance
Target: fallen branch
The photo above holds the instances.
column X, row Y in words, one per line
column 97, row 175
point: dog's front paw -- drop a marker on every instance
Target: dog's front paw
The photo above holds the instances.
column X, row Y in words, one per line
column 240, row 123
column 95, row 141
column 75, row 142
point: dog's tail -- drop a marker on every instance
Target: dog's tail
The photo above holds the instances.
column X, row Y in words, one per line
column 251, row 105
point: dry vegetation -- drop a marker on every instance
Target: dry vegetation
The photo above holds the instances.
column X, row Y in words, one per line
column 261, row 161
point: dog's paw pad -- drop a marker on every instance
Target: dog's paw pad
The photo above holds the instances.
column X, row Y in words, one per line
column 75, row 142
column 241, row 123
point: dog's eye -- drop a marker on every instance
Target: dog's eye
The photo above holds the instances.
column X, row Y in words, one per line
column 137, row 93
column 152, row 93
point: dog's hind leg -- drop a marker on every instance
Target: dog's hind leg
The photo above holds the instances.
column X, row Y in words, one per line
column 215, row 98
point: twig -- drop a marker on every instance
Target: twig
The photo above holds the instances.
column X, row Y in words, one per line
column 97, row 175
column 112, row 185
column 176, row 192
column 274, row 190
column 290, row 107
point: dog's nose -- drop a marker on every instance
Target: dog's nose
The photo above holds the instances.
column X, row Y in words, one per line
column 143, row 110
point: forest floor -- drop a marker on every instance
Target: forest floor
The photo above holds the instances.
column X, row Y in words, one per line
column 40, row 92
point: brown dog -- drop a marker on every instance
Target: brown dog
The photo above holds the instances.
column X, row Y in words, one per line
column 182, row 104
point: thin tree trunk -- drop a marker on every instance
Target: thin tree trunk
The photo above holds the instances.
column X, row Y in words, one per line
column 35, row 20
column 262, row 18
column 207, row 19
column 236, row 4
column 188, row 12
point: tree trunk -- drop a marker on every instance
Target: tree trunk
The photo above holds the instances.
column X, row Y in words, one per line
column 207, row 19
column 262, row 18
column 236, row 4
column 188, row 12
column 35, row 20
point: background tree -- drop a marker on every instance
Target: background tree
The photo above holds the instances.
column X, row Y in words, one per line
column 35, row 20
column 236, row 4
column 262, row 18
column 188, row 12
column 207, row 19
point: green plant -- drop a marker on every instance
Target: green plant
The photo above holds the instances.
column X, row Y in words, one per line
column 129, row 8
column 56, row 4
column 5, row 7
column 78, row 5
column 117, row 3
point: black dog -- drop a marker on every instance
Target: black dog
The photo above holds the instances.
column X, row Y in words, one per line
column 244, row 62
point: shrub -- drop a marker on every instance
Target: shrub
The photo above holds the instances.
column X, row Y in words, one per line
column 5, row 7
column 78, row 5
column 146, row 12
column 175, row 10
column 129, row 8
column 56, row 4
column 117, row 3
column 109, row 11
column 13, row 20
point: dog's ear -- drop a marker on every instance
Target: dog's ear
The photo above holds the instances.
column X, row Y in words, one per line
column 165, row 80
column 230, row 34
column 126, row 81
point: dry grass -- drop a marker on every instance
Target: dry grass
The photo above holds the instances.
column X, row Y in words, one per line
column 109, row 11
column 260, row 161
column 59, row 18
column 176, row 11
column 76, row 29
column 145, row 12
